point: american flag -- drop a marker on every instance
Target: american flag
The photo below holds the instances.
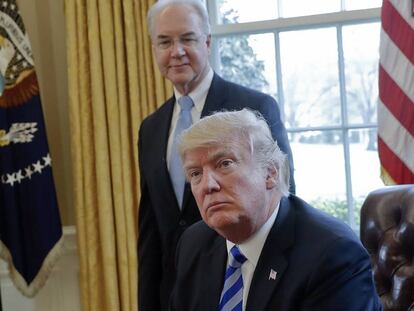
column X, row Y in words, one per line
column 396, row 92
column 272, row 274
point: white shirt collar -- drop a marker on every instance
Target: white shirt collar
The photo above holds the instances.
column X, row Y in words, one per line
column 252, row 247
column 199, row 95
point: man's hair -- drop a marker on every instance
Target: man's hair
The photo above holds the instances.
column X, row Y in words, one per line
column 197, row 5
column 227, row 126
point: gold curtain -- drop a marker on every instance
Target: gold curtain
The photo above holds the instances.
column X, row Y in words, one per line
column 113, row 85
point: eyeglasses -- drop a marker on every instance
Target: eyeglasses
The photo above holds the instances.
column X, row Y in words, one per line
column 186, row 41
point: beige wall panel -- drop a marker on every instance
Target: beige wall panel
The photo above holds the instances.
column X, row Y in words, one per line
column 45, row 24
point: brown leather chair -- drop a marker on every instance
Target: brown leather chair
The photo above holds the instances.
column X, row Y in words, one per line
column 387, row 232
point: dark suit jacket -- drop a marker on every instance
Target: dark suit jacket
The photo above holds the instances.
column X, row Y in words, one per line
column 161, row 222
column 320, row 265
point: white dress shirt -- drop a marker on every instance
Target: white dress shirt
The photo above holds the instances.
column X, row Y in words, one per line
column 251, row 249
column 198, row 96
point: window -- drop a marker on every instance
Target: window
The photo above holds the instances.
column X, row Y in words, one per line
column 319, row 59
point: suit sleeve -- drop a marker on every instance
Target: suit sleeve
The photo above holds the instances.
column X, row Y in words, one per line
column 270, row 111
column 149, row 248
column 342, row 280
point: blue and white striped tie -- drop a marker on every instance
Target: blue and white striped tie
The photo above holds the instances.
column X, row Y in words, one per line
column 232, row 295
column 176, row 166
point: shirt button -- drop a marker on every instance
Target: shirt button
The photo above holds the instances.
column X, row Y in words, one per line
column 182, row 223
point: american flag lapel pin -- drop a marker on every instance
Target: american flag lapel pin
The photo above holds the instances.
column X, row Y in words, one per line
column 272, row 274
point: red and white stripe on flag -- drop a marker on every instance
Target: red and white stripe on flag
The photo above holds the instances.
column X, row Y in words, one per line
column 396, row 93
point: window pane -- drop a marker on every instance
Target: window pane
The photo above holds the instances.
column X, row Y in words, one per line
column 310, row 77
column 365, row 166
column 362, row 4
column 361, row 46
column 320, row 170
column 249, row 60
column 291, row 8
column 236, row 11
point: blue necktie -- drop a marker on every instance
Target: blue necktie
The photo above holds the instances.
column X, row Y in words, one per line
column 176, row 166
column 232, row 294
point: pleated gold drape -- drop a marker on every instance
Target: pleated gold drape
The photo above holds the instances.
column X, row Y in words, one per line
column 113, row 85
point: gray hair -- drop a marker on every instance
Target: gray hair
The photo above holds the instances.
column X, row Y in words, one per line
column 223, row 127
column 197, row 5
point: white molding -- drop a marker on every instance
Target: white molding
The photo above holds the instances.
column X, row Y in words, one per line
column 61, row 291
column 70, row 244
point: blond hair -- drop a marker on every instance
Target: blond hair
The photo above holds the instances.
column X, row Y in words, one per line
column 227, row 126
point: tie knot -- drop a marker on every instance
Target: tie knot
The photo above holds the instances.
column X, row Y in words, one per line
column 185, row 102
column 236, row 257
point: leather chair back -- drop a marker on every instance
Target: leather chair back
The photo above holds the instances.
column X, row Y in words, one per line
column 387, row 232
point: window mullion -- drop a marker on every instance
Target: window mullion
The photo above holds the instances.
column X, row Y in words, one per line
column 215, row 54
column 300, row 22
column 345, row 130
column 279, row 80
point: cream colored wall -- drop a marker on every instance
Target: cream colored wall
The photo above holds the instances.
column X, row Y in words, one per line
column 45, row 24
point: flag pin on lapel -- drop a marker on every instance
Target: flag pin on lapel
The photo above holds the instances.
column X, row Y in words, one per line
column 272, row 274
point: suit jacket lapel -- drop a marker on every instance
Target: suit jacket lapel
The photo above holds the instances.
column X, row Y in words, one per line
column 216, row 96
column 187, row 198
column 272, row 258
column 161, row 135
column 214, row 262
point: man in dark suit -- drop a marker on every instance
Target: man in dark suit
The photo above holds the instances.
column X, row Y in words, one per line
column 284, row 255
column 181, row 39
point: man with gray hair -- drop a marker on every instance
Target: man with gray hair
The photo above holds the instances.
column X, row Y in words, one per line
column 181, row 43
column 280, row 253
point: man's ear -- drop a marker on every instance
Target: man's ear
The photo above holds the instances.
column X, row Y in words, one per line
column 208, row 43
column 271, row 178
